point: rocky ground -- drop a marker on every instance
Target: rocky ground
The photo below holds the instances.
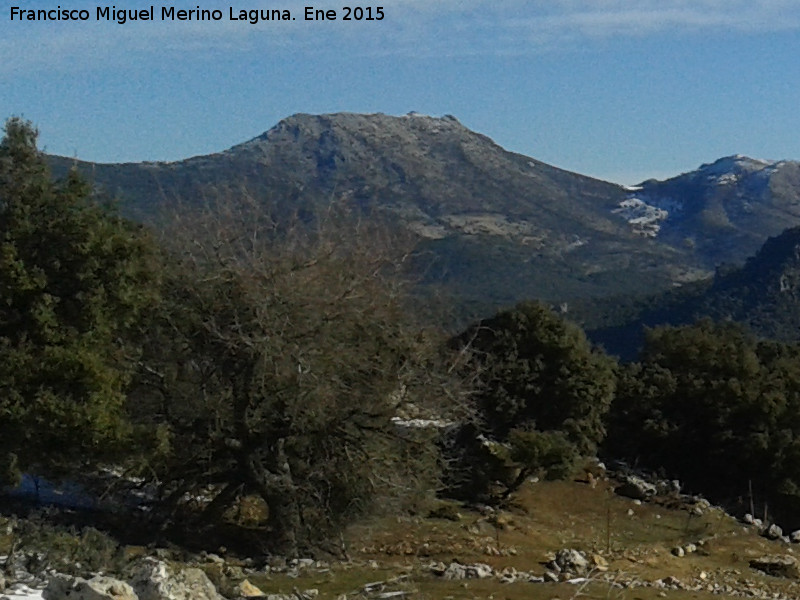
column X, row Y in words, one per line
column 601, row 536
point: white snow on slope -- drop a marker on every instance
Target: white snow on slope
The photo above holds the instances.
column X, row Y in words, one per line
column 645, row 219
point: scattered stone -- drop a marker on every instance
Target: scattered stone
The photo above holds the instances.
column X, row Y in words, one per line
column 794, row 537
column 457, row 571
column 690, row 548
column 66, row 587
column 668, row 488
column 599, row 563
column 780, row 565
column 570, row 561
column 678, row 551
column 773, row 532
column 748, row 519
column 214, row 558
column 154, row 580
column 636, row 488
column 703, row 503
column 245, row 589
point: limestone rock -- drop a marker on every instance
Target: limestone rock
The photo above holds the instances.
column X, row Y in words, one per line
column 66, row 587
column 773, row 532
column 247, row 590
column 636, row 488
column 668, row 488
column 780, row 565
column 457, row 571
column 794, row 537
column 154, row 580
column 571, row 561
column 599, row 563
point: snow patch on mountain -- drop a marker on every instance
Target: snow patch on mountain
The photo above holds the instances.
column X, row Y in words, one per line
column 646, row 215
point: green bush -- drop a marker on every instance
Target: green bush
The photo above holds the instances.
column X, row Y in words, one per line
column 711, row 404
column 542, row 393
column 75, row 279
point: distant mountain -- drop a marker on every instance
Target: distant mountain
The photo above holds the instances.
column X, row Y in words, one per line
column 493, row 227
column 723, row 211
column 764, row 294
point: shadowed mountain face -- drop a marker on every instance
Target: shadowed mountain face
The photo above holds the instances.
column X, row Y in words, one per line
column 492, row 227
column 763, row 294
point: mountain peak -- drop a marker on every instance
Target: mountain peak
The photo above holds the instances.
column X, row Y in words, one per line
column 305, row 125
column 736, row 164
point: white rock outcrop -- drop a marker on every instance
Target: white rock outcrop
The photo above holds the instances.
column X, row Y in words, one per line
column 153, row 579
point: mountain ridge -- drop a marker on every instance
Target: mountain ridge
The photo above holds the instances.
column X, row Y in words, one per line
column 497, row 226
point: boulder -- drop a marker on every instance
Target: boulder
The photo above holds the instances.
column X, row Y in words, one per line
column 247, row 590
column 636, row 488
column 66, row 587
column 571, row 561
column 457, row 571
column 599, row 563
column 780, row 565
column 773, row 532
column 152, row 579
column 668, row 488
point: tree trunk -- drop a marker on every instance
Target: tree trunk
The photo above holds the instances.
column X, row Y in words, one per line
column 275, row 484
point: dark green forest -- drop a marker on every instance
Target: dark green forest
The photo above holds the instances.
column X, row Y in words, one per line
column 236, row 355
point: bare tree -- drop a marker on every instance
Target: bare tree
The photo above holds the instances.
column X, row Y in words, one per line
column 283, row 357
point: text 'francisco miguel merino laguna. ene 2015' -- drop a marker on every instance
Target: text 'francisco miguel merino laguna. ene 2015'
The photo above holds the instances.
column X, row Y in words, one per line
column 165, row 13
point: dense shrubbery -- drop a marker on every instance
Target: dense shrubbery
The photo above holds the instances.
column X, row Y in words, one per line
column 542, row 394
column 74, row 281
column 711, row 404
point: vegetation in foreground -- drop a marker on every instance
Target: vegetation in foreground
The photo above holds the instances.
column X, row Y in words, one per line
column 633, row 544
column 260, row 377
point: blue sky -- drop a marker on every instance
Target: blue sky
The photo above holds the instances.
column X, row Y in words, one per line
column 622, row 90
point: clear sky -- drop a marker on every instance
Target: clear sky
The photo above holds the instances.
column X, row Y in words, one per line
column 622, row 90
